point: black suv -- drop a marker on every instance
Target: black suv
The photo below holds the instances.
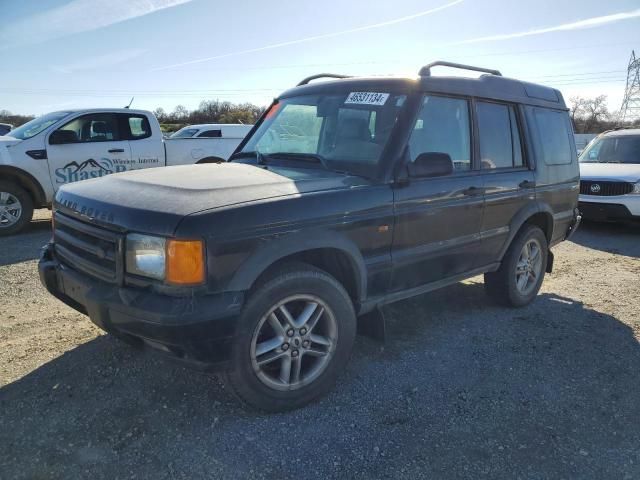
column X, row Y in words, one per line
column 346, row 195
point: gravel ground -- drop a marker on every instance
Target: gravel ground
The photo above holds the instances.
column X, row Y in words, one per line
column 461, row 389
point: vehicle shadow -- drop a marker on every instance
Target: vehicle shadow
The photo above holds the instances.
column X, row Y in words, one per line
column 462, row 388
column 618, row 238
column 25, row 245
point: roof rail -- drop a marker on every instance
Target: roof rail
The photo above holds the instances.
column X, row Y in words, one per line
column 426, row 70
column 322, row 75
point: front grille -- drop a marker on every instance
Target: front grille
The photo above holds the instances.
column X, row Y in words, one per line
column 604, row 189
column 87, row 248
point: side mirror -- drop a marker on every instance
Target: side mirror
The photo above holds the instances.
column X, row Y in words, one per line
column 60, row 137
column 431, row 164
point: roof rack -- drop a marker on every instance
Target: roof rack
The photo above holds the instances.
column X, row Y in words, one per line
column 322, row 75
column 426, row 70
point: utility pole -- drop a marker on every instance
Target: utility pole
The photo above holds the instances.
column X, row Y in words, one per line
column 630, row 111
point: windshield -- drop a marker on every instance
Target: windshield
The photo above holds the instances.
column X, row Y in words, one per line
column 37, row 125
column 615, row 149
column 185, row 133
column 346, row 132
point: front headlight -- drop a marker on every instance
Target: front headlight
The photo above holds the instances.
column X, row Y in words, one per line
column 636, row 188
column 178, row 262
column 146, row 256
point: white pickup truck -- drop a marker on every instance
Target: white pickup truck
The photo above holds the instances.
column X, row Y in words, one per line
column 67, row 146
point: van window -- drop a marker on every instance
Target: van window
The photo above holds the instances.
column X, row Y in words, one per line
column 443, row 126
column 500, row 145
column 553, row 135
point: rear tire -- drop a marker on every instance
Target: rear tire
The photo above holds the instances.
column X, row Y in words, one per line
column 294, row 337
column 519, row 278
column 16, row 208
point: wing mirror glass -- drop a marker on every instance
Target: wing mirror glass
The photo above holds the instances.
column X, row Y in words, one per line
column 431, row 164
column 60, row 137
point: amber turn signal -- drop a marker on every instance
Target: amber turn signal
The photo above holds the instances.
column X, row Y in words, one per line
column 185, row 262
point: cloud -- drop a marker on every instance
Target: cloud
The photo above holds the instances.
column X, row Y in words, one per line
column 580, row 24
column 78, row 16
column 101, row 61
column 315, row 37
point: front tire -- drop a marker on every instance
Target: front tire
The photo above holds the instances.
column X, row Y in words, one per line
column 16, row 208
column 294, row 337
column 519, row 278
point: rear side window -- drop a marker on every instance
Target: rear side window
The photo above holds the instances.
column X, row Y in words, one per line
column 211, row 134
column 500, row 145
column 443, row 126
column 139, row 127
column 553, row 135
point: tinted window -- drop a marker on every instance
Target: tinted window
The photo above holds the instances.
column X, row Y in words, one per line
column 211, row 134
column 138, row 127
column 499, row 136
column 553, row 135
column 94, row 127
column 443, row 126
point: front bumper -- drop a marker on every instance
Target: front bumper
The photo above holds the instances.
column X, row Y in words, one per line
column 607, row 211
column 198, row 330
column 617, row 207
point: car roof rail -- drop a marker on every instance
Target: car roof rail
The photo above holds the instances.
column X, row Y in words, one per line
column 426, row 70
column 322, row 75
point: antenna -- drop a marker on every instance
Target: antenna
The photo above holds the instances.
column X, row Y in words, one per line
column 630, row 111
column 130, row 102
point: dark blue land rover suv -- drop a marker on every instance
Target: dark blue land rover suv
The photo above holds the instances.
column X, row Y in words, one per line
column 346, row 195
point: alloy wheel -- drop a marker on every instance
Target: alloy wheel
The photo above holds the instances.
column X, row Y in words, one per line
column 294, row 342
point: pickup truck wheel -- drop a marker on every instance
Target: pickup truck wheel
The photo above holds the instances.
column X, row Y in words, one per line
column 518, row 280
column 16, row 208
column 294, row 337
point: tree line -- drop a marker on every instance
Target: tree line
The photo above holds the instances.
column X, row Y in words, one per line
column 209, row 111
column 589, row 115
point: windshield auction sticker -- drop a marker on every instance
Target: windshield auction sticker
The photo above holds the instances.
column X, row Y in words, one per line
column 367, row 98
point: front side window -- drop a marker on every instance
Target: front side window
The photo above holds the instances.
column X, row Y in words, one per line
column 95, row 127
column 553, row 135
column 500, row 145
column 345, row 131
column 442, row 126
column 37, row 125
column 614, row 149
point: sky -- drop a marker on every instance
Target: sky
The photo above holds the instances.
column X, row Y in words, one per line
column 61, row 54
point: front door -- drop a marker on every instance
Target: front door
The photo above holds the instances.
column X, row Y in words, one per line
column 437, row 229
column 89, row 146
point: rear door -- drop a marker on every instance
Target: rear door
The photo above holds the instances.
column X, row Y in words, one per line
column 437, row 230
column 147, row 150
column 508, row 181
column 94, row 145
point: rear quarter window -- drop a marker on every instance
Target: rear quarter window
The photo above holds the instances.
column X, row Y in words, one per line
column 552, row 135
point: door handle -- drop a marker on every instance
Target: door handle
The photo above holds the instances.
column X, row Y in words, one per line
column 116, row 150
column 473, row 191
column 527, row 184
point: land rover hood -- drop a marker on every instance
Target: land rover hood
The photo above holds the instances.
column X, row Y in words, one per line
column 155, row 200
